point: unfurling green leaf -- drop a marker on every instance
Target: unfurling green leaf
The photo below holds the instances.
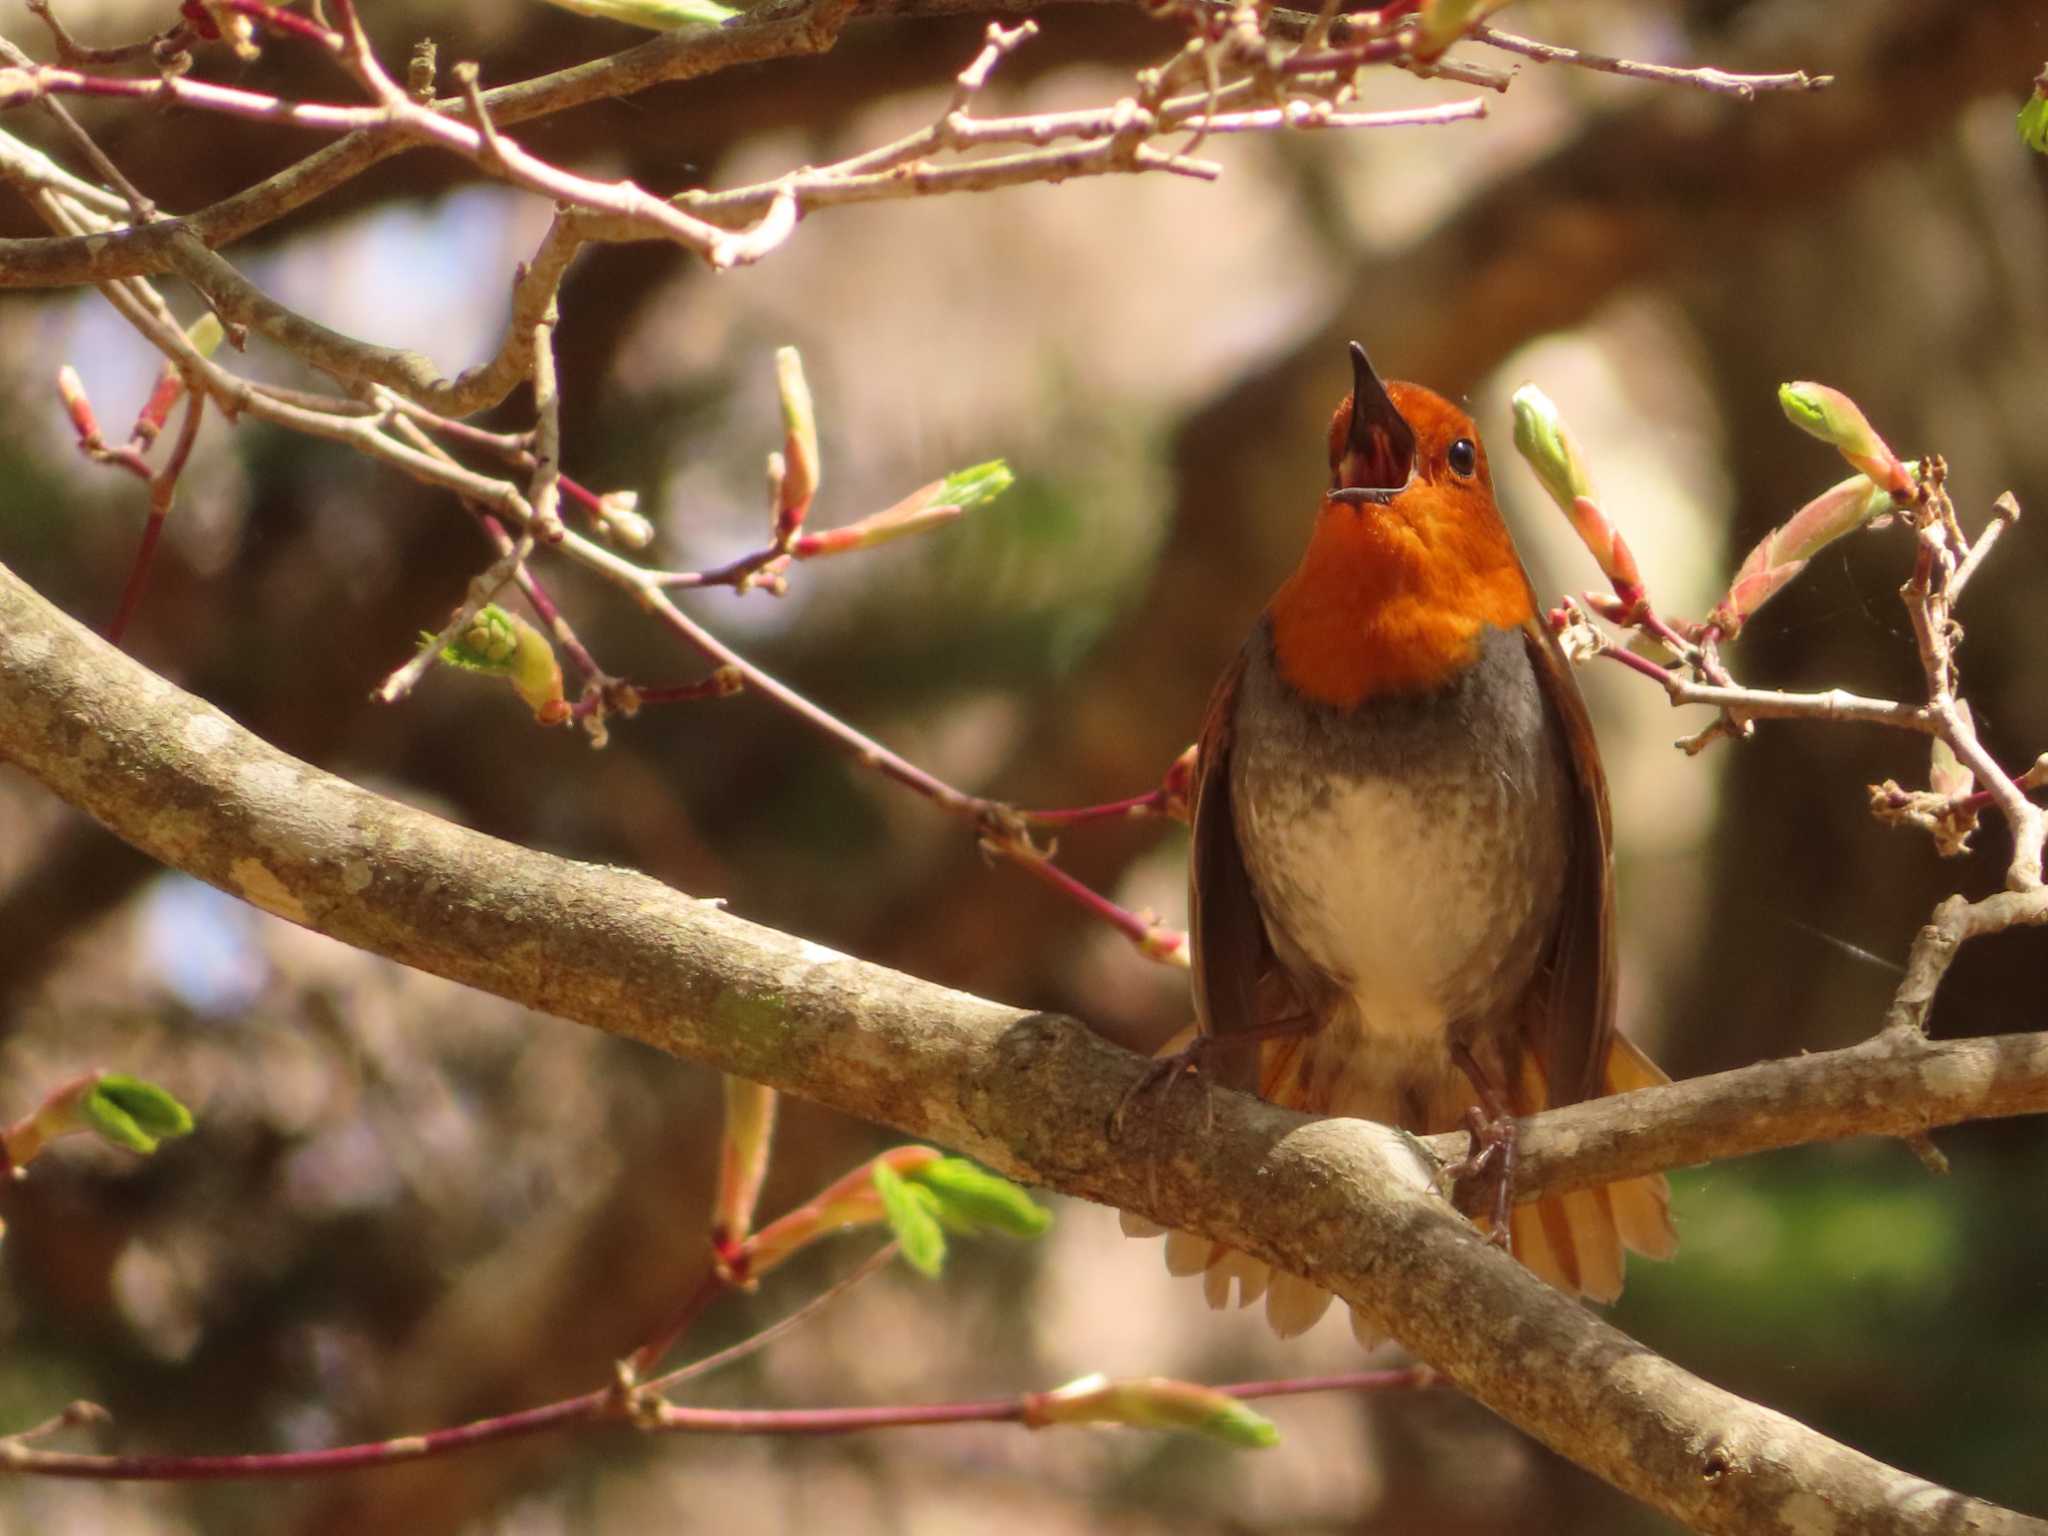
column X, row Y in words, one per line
column 1440, row 23
column 970, row 488
column 501, row 644
column 1782, row 553
column 797, row 470
column 853, row 1200
column 1156, row 1402
column 939, row 502
column 206, row 334
column 1548, row 448
column 1835, row 419
column 912, row 1214
column 657, row 15
column 971, row 1199
column 132, row 1113
column 2034, row 117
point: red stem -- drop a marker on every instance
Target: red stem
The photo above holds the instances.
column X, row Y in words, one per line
column 1350, row 56
column 138, row 574
column 865, row 748
column 156, row 410
column 683, row 693
column 163, row 485
column 608, row 1404
column 1151, row 803
column 994, row 1410
column 649, row 1355
column 1642, row 664
column 285, row 21
column 542, row 605
column 732, row 573
column 1149, row 937
column 575, row 490
column 1159, row 943
column 509, row 447
column 281, row 1464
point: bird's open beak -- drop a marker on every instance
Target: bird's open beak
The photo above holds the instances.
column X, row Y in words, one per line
column 1379, row 447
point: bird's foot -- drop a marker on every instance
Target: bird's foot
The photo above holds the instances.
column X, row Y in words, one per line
column 1161, row 1073
column 1483, row 1181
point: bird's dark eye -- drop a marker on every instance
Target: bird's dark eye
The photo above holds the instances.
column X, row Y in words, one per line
column 1464, row 457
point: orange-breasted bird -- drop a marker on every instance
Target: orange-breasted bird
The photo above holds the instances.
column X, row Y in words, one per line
column 1401, row 894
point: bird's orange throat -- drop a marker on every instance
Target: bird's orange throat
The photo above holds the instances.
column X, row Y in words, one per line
column 1393, row 598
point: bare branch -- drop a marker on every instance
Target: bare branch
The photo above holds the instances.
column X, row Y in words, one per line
column 777, row 29
column 140, row 208
column 1719, row 81
column 1897, row 1083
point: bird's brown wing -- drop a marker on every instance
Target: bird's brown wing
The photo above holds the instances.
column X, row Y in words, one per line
column 1228, row 947
column 1573, row 1023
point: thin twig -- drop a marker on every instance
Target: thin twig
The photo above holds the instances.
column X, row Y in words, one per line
column 163, row 487
column 609, row 1405
column 138, row 303
column 161, row 49
column 1719, row 81
column 754, row 1343
column 2006, row 512
column 1035, row 1410
column 481, row 590
column 140, row 208
column 712, row 1285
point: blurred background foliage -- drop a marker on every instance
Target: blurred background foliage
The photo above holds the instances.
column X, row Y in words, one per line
column 406, row 1205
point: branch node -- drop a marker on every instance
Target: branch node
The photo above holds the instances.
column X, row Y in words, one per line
column 1932, row 1158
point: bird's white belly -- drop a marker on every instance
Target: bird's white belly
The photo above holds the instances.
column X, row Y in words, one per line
column 1426, row 902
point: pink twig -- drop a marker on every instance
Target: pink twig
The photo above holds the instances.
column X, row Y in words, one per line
column 1349, row 56
column 591, row 1407
column 1032, row 1408
column 1171, row 799
column 1154, row 941
column 614, row 1404
column 722, row 684
column 281, row 20
column 1000, row 825
column 649, row 1355
column 874, row 1263
column 85, row 422
column 41, row 81
column 513, row 448
column 132, row 457
column 1132, row 808
column 162, row 487
column 738, row 573
column 138, row 574
column 542, row 605
column 1635, row 663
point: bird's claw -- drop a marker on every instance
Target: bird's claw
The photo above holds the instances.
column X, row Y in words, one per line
column 1159, row 1077
column 1490, row 1166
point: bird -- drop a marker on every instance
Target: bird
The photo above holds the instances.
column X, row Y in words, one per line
column 1401, row 883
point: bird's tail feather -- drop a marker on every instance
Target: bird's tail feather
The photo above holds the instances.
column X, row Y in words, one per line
column 1575, row 1241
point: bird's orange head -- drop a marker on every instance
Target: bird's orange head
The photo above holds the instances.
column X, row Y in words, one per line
column 1409, row 562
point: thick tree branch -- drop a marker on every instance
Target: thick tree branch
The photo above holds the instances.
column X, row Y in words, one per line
column 1352, row 1205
